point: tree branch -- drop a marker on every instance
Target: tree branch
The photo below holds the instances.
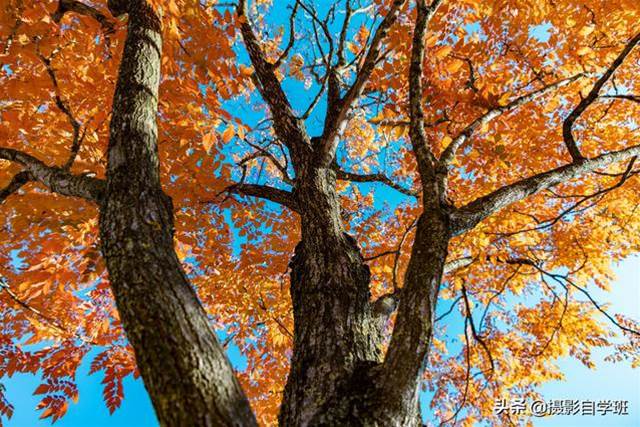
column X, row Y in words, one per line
column 264, row 152
column 457, row 264
column 4, row 286
column 567, row 126
column 422, row 152
column 333, row 73
column 549, row 223
column 44, row 318
column 287, row 126
column 449, row 311
column 475, row 334
column 18, row 180
column 348, row 13
column 292, row 37
column 387, row 303
column 80, row 8
column 449, row 152
column 468, row 216
column 467, row 377
column 337, row 116
column 273, row 194
column 375, row 177
column 56, row 179
column 63, row 106
column 634, row 98
column 563, row 277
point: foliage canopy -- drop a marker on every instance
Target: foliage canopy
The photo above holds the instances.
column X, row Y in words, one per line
column 510, row 89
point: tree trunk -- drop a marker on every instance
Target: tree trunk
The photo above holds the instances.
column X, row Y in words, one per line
column 337, row 335
column 184, row 367
column 337, row 374
column 409, row 347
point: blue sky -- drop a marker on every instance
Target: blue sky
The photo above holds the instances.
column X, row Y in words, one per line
column 609, row 381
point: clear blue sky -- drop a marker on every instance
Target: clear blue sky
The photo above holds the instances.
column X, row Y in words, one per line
column 609, row 381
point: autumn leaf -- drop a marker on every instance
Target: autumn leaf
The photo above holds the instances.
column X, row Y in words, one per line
column 246, row 71
column 442, row 52
column 454, row 65
column 228, row 133
column 208, row 140
column 585, row 50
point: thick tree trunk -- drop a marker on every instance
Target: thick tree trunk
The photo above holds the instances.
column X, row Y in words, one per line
column 184, row 368
column 337, row 335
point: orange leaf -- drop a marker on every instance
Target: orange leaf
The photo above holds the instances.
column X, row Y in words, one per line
column 228, row 134
column 454, row 65
column 208, row 140
column 246, row 71
column 442, row 52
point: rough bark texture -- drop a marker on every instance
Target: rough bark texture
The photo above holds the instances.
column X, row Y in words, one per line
column 338, row 376
column 56, row 179
column 337, row 336
column 411, row 339
column 184, row 368
column 337, row 372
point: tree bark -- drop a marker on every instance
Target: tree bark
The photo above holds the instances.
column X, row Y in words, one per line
column 184, row 367
column 337, row 373
column 409, row 347
column 337, row 335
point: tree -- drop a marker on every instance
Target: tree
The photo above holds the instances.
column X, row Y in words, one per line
column 507, row 158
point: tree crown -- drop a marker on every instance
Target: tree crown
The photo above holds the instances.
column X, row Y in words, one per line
column 509, row 90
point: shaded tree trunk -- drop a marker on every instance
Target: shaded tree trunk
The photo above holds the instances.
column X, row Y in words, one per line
column 184, row 368
column 337, row 355
column 338, row 337
column 408, row 352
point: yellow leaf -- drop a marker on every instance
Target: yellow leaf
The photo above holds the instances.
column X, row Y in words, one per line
column 454, row 65
column 442, row 52
column 173, row 28
column 504, row 99
column 584, row 51
column 173, row 8
column 208, row 140
column 241, row 132
column 586, row 30
column 432, row 40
